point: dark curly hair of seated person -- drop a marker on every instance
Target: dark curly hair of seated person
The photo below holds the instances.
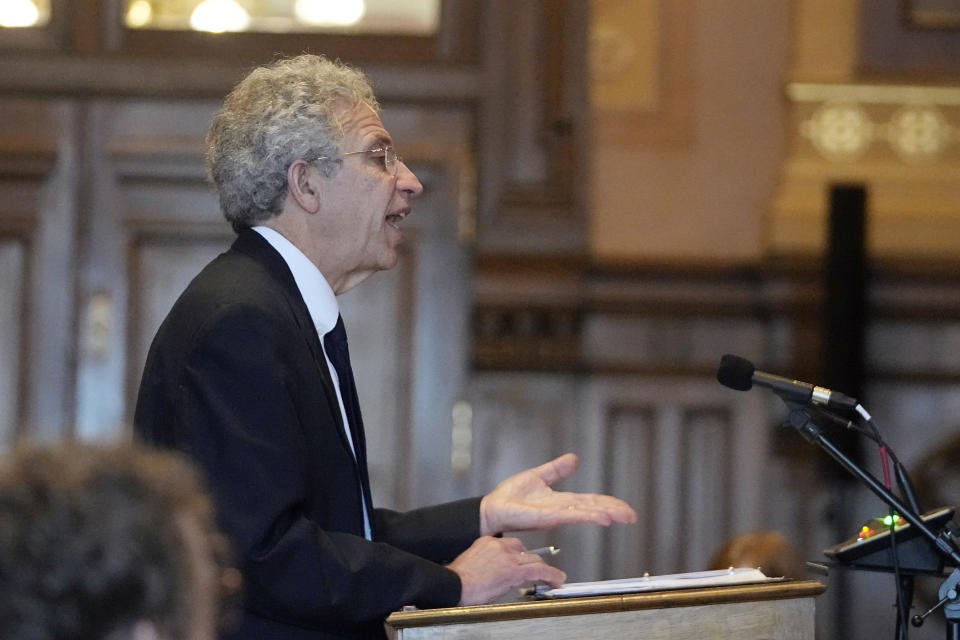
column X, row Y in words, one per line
column 95, row 544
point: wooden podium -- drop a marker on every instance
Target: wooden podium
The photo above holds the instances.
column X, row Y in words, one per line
column 768, row 611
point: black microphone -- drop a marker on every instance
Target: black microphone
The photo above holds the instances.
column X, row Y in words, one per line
column 738, row 373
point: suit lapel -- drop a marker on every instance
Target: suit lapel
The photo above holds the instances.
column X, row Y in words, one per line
column 253, row 245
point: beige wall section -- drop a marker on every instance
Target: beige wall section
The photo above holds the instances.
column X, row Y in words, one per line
column 689, row 177
column 825, row 40
column 727, row 153
column 848, row 122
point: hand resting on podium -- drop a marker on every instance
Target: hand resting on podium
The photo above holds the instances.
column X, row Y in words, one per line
column 492, row 566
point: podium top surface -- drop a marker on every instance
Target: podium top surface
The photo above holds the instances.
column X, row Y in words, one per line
column 605, row 604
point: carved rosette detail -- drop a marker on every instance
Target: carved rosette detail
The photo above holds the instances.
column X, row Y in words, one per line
column 839, row 131
column 919, row 133
column 844, row 131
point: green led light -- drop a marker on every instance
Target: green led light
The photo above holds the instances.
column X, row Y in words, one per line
column 888, row 520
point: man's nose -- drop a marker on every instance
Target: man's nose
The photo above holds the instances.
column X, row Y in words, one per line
column 407, row 181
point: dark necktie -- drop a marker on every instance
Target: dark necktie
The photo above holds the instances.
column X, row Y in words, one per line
column 335, row 344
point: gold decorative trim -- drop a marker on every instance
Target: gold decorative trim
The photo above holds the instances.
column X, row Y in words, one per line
column 843, row 132
column 658, row 107
column 605, row 604
column 873, row 94
column 902, row 142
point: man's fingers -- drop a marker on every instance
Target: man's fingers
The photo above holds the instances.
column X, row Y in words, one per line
column 492, row 566
column 535, row 569
column 543, row 572
column 558, row 468
column 512, row 544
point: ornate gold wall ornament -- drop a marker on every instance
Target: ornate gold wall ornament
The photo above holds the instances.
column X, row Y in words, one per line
column 843, row 132
column 919, row 133
column 612, row 52
column 840, row 131
column 899, row 141
column 625, row 55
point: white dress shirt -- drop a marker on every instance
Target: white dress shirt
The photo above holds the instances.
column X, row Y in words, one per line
column 322, row 304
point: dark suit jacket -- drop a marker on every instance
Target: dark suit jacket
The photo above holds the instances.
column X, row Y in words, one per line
column 236, row 379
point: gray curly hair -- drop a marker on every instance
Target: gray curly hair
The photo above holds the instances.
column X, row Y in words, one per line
column 279, row 113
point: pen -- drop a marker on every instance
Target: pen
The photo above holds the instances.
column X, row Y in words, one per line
column 544, row 551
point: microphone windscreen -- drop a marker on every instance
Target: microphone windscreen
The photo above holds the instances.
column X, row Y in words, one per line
column 735, row 372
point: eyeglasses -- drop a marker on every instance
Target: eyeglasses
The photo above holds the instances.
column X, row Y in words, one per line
column 390, row 158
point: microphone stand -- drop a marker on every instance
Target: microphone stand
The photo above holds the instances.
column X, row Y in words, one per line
column 949, row 593
column 906, row 581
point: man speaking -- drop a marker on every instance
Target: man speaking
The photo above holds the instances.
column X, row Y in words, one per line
column 249, row 375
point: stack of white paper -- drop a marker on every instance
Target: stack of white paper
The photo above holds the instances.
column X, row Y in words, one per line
column 652, row 583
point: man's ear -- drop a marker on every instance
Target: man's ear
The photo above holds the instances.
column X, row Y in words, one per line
column 303, row 185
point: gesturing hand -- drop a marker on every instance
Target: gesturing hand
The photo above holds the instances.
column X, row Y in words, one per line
column 525, row 501
column 492, row 566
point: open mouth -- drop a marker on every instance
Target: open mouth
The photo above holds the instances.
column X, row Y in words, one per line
column 394, row 219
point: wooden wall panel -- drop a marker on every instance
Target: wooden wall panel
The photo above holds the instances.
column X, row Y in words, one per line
column 519, row 421
column 144, row 193
column 699, row 482
column 426, row 328
column 709, row 466
column 378, row 316
column 12, row 289
column 631, row 474
column 686, row 453
column 160, row 268
column 38, row 191
column 532, row 129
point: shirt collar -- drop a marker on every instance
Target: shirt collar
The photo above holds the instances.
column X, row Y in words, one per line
column 316, row 292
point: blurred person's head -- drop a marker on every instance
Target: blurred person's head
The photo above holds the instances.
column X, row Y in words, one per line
column 768, row 551
column 106, row 543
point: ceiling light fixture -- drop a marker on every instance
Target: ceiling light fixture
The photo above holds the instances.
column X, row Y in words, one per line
column 328, row 13
column 218, row 16
column 139, row 14
column 18, row 13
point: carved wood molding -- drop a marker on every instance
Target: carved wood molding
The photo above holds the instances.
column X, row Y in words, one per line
column 678, row 319
column 17, row 246
column 86, row 50
column 532, row 134
column 526, row 338
column 26, row 156
column 97, row 26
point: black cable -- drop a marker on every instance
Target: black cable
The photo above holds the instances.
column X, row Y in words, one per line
column 872, row 433
column 902, row 630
